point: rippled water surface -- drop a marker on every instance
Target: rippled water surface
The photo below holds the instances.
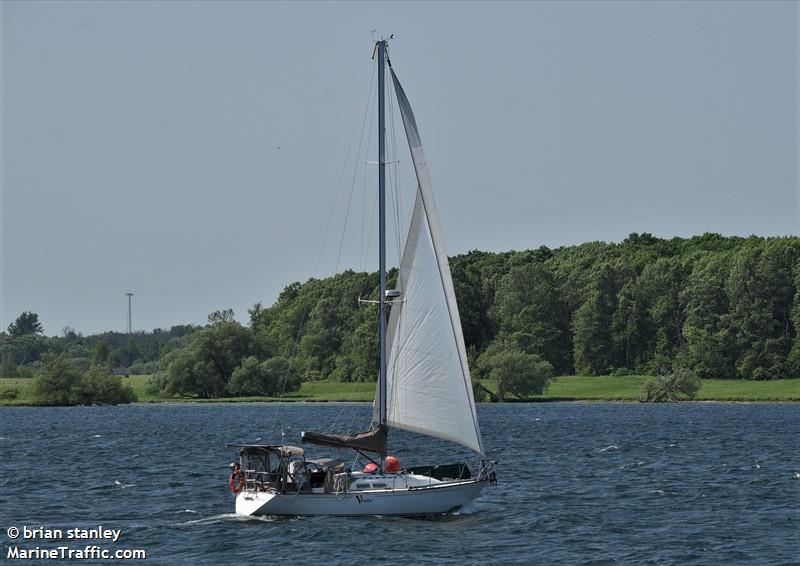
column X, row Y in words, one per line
column 578, row 483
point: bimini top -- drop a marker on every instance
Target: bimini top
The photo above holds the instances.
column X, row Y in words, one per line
column 256, row 448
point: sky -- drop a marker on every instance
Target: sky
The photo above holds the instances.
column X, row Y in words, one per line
column 193, row 152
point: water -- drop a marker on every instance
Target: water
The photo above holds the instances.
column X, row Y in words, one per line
column 579, row 483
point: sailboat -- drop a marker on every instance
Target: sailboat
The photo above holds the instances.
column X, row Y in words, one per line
column 423, row 386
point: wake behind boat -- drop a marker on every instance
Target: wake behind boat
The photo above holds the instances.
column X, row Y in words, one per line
column 424, row 384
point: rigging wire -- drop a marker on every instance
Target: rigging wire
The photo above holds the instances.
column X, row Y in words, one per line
column 365, row 107
column 304, row 318
column 371, row 229
column 366, row 146
column 393, row 180
column 355, row 175
column 374, row 201
column 361, row 259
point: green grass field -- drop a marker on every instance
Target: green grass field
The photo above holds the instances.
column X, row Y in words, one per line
column 612, row 388
column 310, row 391
column 737, row 390
column 23, row 388
column 566, row 388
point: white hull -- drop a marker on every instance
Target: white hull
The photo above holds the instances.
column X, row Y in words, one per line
column 419, row 501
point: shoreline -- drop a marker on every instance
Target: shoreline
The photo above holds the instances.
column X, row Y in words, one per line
column 548, row 401
column 563, row 389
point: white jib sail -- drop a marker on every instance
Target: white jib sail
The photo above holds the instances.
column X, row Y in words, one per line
column 428, row 384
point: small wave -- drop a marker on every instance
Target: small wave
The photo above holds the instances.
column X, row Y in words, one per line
column 757, row 467
column 210, row 520
column 468, row 509
column 659, row 491
column 96, row 436
column 796, row 476
column 188, row 511
column 116, row 484
column 609, row 447
column 224, row 517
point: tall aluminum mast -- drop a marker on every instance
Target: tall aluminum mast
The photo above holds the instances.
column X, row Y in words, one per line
column 382, row 224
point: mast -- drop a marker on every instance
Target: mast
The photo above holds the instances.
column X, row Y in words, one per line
column 382, row 225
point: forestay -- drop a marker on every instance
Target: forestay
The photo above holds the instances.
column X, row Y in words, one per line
column 428, row 384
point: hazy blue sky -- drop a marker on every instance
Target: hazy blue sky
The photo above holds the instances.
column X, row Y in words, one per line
column 139, row 139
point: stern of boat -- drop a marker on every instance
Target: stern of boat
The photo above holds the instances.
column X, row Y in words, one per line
column 252, row 502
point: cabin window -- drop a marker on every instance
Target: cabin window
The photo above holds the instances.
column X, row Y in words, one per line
column 373, row 485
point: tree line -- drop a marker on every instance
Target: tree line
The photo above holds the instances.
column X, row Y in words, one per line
column 715, row 306
column 23, row 347
column 723, row 307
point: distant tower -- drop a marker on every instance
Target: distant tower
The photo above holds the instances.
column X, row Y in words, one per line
column 130, row 328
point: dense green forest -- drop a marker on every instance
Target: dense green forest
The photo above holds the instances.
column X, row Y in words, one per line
column 723, row 307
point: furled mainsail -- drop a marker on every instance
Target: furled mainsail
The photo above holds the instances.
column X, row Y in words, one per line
column 371, row 441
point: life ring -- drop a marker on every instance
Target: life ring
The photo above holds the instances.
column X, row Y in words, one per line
column 236, row 482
